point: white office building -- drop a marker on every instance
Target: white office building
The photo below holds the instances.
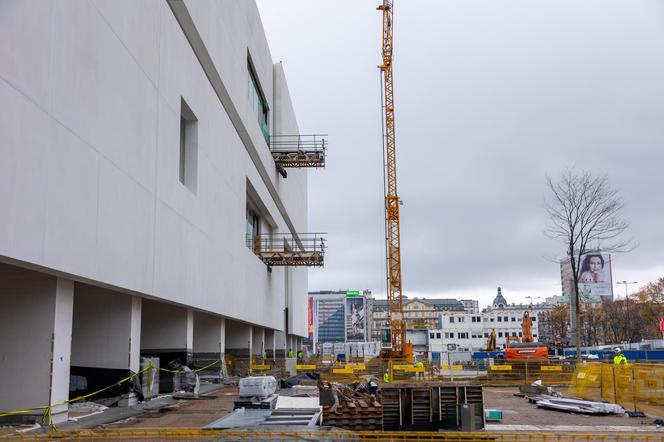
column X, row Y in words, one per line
column 141, row 193
column 459, row 331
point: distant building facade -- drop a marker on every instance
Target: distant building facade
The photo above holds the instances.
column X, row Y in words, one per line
column 419, row 314
column 471, row 305
column 462, row 331
column 338, row 317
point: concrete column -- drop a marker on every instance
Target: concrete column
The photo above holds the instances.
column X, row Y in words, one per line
column 280, row 344
column 35, row 348
column 269, row 343
column 239, row 345
column 209, row 341
column 257, row 340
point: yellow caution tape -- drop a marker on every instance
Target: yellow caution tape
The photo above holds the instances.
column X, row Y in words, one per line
column 457, row 367
column 260, row 367
column 47, row 415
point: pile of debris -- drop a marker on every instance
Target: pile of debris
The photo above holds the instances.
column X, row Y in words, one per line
column 546, row 397
column 353, row 406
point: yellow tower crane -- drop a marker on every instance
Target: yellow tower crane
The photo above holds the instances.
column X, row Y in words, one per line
column 400, row 349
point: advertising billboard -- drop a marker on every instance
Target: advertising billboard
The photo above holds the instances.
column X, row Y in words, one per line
column 310, row 318
column 595, row 276
column 355, row 319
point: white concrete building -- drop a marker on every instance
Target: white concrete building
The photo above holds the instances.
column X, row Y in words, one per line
column 469, row 332
column 135, row 172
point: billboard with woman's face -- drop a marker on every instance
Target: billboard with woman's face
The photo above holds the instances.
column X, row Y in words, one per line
column 355, row 320
column 595, row 276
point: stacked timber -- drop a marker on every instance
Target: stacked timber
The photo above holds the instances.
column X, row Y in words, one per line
column 350, row 408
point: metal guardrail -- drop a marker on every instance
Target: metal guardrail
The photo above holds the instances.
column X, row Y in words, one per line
column 283, row 249
column 299, row 150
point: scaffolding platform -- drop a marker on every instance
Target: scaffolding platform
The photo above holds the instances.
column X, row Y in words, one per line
column 305, row 249
column 298, row 150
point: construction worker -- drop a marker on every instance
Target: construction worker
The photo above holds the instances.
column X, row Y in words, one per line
column 619, row 358
column 418, row 365
column 290, row 353
column 386, row 377
column 300, row 355
column 264, row 356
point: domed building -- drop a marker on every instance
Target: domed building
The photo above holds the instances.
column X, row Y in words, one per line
column 499, row 301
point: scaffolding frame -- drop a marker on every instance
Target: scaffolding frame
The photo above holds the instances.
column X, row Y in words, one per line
column 285, row 249
column 299, row 150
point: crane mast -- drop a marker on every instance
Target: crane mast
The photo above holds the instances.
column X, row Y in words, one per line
column 394, row 287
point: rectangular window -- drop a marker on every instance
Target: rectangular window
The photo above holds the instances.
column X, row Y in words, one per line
column 491, row 319
column 534, row 318
column 431, row 335
column 513, row 319
column 451, row 319
column 438, row 335
column 505, row 318
column 188, row 147
column 463, row 335
column 257, row 102
column 500, row 334
column 514, row 334
column 520, row 334
column 461, row 319
column 500, row 319
column 486, row 335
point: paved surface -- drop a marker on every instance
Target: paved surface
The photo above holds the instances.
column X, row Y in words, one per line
column 185, row 413
column 517, row 411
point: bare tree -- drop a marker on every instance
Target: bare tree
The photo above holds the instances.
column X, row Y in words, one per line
column 585, row 213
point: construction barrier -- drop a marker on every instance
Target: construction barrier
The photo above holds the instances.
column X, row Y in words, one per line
column 332, row 435
column 46, row 410
column 553, row 373
column 635, row 386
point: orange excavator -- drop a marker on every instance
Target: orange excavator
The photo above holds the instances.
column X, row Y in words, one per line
column 526, row 347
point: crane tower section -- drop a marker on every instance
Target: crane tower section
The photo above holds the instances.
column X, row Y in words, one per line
column 394, row 287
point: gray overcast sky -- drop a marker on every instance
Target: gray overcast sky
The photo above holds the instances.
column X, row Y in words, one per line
column 490, row 97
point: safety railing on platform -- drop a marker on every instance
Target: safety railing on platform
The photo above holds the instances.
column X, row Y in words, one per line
column 299, row 150
column 285, row 249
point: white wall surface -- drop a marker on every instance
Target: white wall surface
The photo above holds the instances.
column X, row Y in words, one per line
column 103, row 324
column 165, row 326
column 35, row 309
column 209, row 333
column 89, row 136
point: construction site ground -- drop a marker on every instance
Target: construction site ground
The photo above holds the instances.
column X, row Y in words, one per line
column 521, row 415
column 518, row 415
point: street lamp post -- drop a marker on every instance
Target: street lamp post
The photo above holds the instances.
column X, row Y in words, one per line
column 628, row 328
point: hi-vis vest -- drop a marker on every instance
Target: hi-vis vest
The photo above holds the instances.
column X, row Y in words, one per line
column 619, row 359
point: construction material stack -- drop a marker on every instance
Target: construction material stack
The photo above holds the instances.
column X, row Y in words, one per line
column 352, row 407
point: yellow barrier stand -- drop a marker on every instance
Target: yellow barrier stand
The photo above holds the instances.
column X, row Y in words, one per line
column 305, row 367
column 343, row 370
column 501, row 368
column 551, row 368
column 260, row 366
column 445, row 367
column 457, row 367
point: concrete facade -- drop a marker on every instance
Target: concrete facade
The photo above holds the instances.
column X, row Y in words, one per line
column 125, row 255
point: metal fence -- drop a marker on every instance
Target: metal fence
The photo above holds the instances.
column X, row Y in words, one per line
column 637, row 387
